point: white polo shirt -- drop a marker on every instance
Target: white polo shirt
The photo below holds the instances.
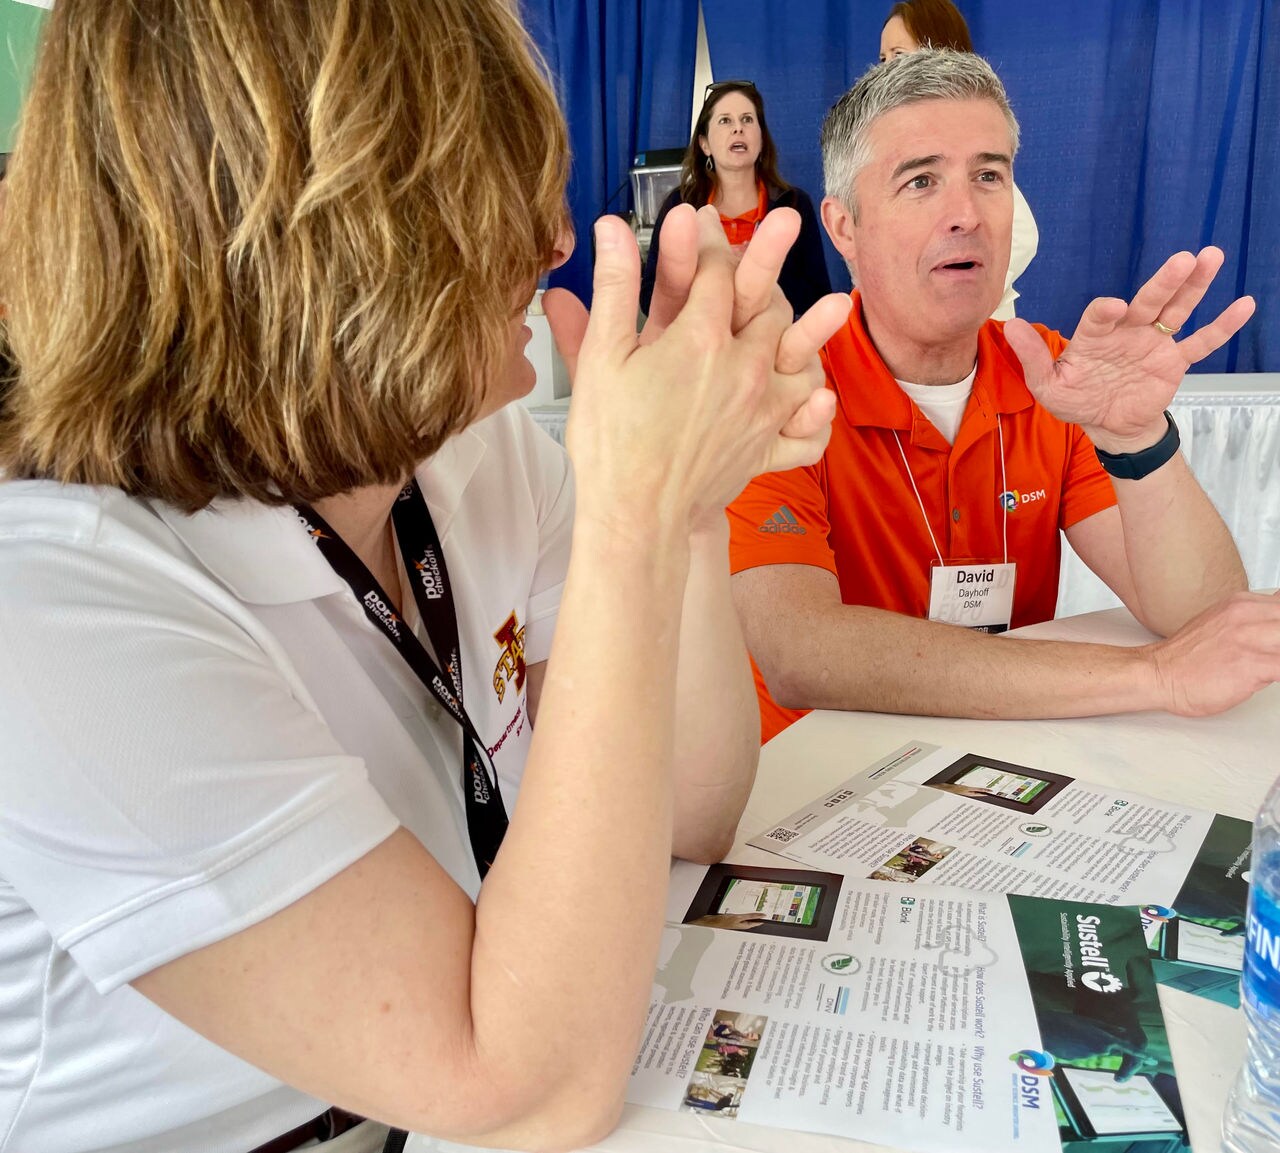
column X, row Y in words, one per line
column 198, row 725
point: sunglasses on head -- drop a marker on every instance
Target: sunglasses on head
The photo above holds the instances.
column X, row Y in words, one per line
column 719, row 84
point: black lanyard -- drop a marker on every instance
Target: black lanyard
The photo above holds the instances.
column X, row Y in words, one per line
column 424, row 562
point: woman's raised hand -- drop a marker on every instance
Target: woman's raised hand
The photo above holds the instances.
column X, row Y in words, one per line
column 720, row 387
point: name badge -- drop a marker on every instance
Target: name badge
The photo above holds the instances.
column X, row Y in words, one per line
column 977, row 596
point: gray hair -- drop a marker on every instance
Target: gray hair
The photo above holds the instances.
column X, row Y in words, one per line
column 929, row 74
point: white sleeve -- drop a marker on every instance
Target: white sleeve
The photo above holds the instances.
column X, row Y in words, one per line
column 1025, row 242
column 165, row 782
column 551, row 481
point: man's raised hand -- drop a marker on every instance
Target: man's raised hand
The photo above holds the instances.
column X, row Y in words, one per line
column 1122, row 368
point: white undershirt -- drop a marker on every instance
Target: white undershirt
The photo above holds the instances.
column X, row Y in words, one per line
column 943, row 404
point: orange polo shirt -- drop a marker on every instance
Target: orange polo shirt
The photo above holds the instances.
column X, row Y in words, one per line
column 855, row 512
column 740, row 229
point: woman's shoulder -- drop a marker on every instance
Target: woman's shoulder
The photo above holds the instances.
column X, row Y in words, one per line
column 150, row 553
column 791, row 197
column 672, row 198
column 75, row 517
column 497, row 473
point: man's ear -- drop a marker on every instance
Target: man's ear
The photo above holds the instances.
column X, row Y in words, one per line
column 839, row 223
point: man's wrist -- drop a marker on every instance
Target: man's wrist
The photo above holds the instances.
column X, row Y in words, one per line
column 1132, row 458
column 1140, row 441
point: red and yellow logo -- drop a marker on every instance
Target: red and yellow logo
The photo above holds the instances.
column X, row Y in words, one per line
column 511, row 666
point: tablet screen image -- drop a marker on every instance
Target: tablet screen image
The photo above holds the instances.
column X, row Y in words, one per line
column 793, row 904
column 1205, row 946
column 1114, row 1108
column 1000, row 783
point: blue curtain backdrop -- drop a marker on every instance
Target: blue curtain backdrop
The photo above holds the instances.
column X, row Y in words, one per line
column 624, row 72
column 1148, row 126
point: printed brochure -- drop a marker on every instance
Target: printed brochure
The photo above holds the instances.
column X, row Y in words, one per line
column 923, row 1019
column 981, row 823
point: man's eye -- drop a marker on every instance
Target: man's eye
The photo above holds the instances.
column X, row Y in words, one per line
column 919, row 183
column 991, row 177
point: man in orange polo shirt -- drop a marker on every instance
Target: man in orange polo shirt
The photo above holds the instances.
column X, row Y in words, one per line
column 961, row 446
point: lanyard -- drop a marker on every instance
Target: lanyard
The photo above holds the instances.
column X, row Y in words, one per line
column 1004, row 487
column 424, row 562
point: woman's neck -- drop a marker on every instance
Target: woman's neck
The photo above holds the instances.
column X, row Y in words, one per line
column 362, row 518
column 737, row 192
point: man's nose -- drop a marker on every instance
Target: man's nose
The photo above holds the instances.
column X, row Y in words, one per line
column 962, row 208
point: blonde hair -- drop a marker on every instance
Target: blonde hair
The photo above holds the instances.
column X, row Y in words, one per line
column 266, row 248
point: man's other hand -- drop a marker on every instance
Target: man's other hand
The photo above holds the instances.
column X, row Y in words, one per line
column 1221, row 657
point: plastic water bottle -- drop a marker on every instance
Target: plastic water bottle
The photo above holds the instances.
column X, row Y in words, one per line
column 1252, row 1120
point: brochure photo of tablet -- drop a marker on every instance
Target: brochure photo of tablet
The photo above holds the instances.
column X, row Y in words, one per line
column 1101, row 1106
column 999, row 783
column 777, row 900
column 766, row 902
column 1201, row 945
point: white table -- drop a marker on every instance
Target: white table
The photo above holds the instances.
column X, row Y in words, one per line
column 1222, row 763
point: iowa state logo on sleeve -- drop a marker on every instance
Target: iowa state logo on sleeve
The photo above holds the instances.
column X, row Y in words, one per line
column 510, row 666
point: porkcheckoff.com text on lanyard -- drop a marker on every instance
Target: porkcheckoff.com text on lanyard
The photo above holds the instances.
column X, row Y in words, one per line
column 423, row 557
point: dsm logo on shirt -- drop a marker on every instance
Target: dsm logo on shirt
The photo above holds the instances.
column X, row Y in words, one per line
column 1011, row 499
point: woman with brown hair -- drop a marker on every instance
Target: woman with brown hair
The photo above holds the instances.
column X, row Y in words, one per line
column 913, row 24
column 732, row 163
column 280, row 565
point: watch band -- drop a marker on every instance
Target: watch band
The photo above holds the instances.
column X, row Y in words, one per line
column 1136, row 465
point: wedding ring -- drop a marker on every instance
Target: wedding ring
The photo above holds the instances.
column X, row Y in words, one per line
column 1165, row 328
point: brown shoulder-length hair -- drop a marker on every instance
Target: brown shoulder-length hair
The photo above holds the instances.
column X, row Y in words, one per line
column 697, row 182
column 934, row 24
column 268, row 248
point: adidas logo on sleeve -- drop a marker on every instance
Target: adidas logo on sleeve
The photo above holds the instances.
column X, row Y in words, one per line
column 784, row 520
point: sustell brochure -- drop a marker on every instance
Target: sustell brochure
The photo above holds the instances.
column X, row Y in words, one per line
column 978, row 822
column 922, row 1018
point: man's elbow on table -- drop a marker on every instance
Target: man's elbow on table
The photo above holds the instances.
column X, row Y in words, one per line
column 790, row 681
column 786, row 612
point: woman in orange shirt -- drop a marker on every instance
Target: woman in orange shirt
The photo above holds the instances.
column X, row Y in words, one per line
column 732, row 162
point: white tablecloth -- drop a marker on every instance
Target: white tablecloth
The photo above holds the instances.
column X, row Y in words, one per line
column 1219, row 763
column 1230, row 427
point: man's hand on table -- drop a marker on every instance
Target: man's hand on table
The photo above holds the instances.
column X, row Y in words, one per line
column 1220, row 658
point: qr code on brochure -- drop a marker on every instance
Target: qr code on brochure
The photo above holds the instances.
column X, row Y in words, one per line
column 781, row 834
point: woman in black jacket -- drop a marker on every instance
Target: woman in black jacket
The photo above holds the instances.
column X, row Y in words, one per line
column 732, row 162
